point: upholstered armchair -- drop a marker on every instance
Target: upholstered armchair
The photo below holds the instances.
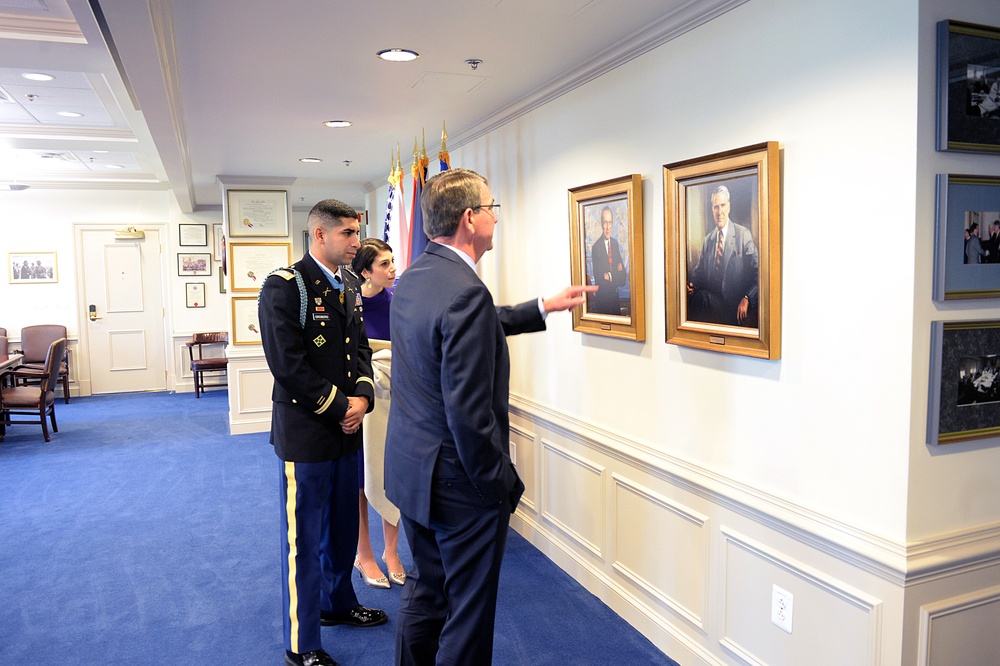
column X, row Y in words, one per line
column 201, row 364
column 35, row 342
column 34, row 401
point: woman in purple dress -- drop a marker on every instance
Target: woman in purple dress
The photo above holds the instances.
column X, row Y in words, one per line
column 373, row 263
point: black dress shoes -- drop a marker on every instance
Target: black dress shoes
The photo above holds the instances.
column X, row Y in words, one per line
column 359, row 616
column 317, row 658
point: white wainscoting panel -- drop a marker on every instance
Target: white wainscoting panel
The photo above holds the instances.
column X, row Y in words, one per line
column 573, row 496
column 250, row 384
column 522, row 452
column 961, row 630
column 662, row 546
column 832, row 623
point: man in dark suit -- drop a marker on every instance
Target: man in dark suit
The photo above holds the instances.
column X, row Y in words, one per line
column 609, row 269
column 447, row 461
column 993, row 244
column 723, row 287
column 315, row 344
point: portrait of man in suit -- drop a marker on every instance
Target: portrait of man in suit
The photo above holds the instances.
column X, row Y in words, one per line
column 608, row 269
column 723, row 275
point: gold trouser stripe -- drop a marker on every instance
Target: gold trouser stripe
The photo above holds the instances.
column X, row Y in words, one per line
column 291, row 490
column 327, row 401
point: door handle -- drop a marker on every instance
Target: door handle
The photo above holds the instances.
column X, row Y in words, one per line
column 93, row 313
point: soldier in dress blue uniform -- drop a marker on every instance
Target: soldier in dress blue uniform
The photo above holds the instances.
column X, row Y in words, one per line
column 314, row 340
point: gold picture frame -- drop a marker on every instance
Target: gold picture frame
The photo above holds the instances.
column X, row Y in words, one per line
column 605, row 221
column 251, row 263
column 724, row 298
column 246, row 322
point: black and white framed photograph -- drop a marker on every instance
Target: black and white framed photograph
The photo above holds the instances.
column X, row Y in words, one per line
column 32, row 267
column 968, row 82
column 964, row 401
column 192, row 235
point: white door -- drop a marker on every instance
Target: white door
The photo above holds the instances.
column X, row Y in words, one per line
column 123, row 296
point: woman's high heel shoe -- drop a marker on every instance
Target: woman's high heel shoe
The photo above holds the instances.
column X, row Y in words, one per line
column 397, row 578
column 381, row 581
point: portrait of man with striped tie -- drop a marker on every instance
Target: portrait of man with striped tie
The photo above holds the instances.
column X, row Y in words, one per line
column 723, row 286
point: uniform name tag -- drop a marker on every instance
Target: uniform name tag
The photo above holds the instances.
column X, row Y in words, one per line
column 321, row 316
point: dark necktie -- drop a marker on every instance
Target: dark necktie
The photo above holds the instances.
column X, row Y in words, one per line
column 718, row 252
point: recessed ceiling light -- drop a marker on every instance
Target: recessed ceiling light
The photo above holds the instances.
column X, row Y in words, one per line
column 337, row 123
column 69, row 114
column 115, row 166
column 12, row 187
column 100, row 151
column 310, row 160
column 398, row 55
column 37, row 76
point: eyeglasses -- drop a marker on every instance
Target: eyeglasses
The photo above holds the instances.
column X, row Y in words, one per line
column 494, row 208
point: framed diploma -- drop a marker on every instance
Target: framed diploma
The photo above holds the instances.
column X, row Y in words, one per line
column 246, row 323
column 257, row 213
column 250, row 263
column 195, row 294
column 193, row 235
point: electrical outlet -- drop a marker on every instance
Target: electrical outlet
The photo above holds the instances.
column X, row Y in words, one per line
column 781, row 608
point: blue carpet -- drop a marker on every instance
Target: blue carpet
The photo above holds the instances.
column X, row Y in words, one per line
column 145, row 534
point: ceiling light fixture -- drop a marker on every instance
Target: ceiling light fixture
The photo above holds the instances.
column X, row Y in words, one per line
column 115, row 166
column 398, row 55
column 69, row 114
column 310, row 160
column 474, row 63
column 337, row 123
column 37, row 76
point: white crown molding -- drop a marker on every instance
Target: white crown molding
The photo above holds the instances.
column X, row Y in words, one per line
column 40, row 29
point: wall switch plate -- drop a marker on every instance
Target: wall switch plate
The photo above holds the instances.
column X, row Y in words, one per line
column 781, row 608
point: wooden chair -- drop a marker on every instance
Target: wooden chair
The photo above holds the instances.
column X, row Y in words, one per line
column 201, row 365
column 34, row 400
column 35, row 342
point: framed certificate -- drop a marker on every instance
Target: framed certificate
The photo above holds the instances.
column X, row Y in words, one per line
column 257, row 213
column 246, row 323
column 195, row 235
column 250, row 263
column 195, row 294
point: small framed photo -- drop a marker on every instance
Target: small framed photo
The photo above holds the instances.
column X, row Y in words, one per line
column 250, row 263
column 193, row 235
column 968, row 87
column 257, row 213
column 32, row 267
column 967, row 237
column 246, row 322
column 218, row 242
column 195, row 294
column 606, row 250
column 222, row 282
column 723, row 252
column 199, row 263
column 964, row 400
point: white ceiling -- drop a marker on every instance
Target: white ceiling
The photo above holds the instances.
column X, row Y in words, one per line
column 184, row 91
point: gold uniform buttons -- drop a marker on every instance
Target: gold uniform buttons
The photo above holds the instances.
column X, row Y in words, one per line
column 347, row 341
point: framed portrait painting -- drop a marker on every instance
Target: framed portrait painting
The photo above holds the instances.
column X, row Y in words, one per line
column 32, row 267
column 723, row 252
column 605, row 222
column 968, row 87
column 964, row 400
column 967, row 237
